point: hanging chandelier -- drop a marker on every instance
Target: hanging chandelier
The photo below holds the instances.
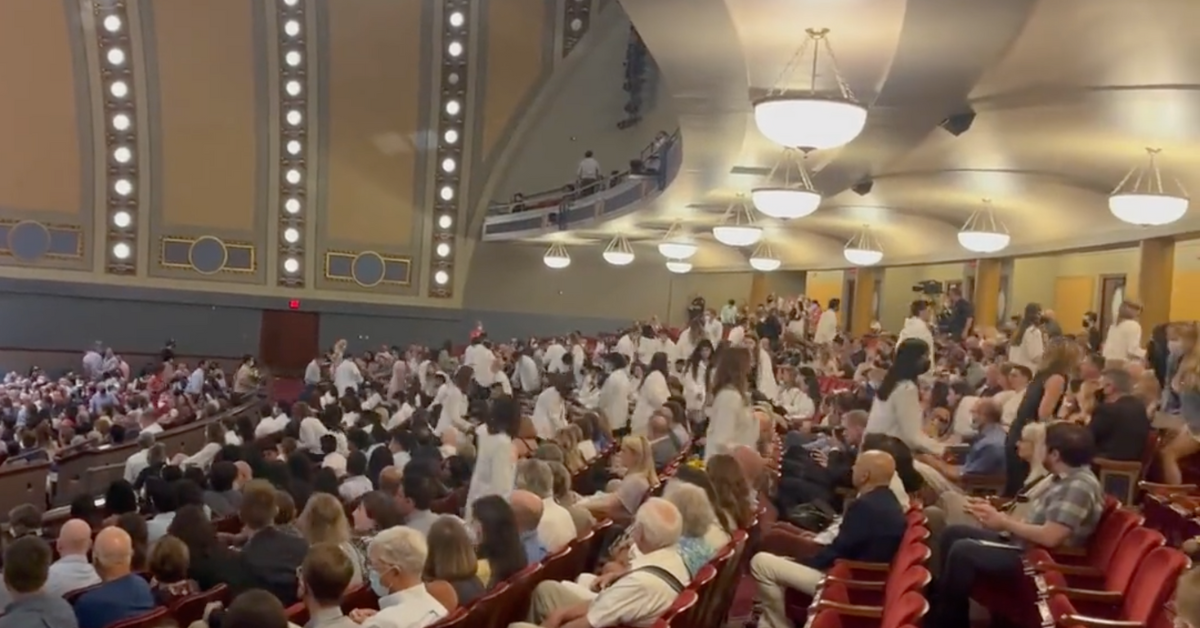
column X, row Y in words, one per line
column 863, row 249
column 982, row 233
column 810, row 120
column 679, row 266
column 796, row 198
column 618, row 252
column 737, row 226
column 677, row 243
column 556, row 256
column 1140, row 198
column 764, row 259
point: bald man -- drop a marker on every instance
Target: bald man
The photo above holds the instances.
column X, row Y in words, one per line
column 123, row 594
column 72, row 571
column 870, row 531
column 527, row 509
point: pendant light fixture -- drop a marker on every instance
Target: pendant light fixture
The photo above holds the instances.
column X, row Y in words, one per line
column 677, row 243
column 796, row 198
column 982, row 233
column 810, row 120
column 618, row 252
column 679, row 266
column 863, row 249
column 763, row 258
column 556, row 256
column 737, row 225
column 1140, row 198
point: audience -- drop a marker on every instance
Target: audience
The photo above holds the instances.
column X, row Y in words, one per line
column 501, row 551
column 122, row 594
column 26, row 570
column 556, row 528
column 72, row 571
column 397, row 562
column 452, row 559
column 270, row 556
column 169, row 571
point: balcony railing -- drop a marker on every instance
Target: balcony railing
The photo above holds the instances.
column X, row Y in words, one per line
column 563, row 209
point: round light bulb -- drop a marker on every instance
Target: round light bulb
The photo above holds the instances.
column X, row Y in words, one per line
column 115, row 56
column 441, row 277
column 448, row 164
column 293, row 176
column 122, row 219
column 292, row 58
column 121, row 122
column 443, row 249
column 294, row 117
column 291, row 265
column 292, row 87
column 457, row 19
column 119, row 89
column 124, row 187
column 122, row 154
column 291, row 28
column 112, row 23
column 447, row 193
column 292, row 206
column 455, row 49
column 444, row 221
column 291, row 235
column 121, row 250
column 451, row 136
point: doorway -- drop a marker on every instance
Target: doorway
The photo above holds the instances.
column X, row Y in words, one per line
column 288, row 341
column 1112, row 293
column 846, row 316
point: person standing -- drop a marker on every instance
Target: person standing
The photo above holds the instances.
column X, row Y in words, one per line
column 1124, row 340
column 1041, row 401
column 827, row 324
column 962, row 315
column 730, row 422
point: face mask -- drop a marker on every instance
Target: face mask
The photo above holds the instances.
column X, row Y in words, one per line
column 377, row 586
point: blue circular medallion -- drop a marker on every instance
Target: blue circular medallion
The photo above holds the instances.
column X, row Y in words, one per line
column 367, row 269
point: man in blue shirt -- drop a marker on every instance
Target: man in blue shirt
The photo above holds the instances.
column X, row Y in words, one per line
column 123, row 594
column 26, row 567
column 527, row 509
column 985, row 457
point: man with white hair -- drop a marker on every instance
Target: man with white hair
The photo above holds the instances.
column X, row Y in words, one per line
column 634, row 598
column 556, row 528
column 72, row 571
column 397, row 559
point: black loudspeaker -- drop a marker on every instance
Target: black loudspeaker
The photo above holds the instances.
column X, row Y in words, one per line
column 863, row 188
column 958, row 123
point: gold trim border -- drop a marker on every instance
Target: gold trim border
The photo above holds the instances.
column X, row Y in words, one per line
column 247, row 246
column 224, row 255
column 6, row 249
column 353, row 255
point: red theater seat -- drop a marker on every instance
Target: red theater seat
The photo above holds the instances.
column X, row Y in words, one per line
column 908, row 610
column 1142, row 604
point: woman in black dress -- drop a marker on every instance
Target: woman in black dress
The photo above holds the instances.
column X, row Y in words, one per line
column 1042, row 399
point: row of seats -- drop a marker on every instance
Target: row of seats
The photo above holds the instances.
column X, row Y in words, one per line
column 181, row 612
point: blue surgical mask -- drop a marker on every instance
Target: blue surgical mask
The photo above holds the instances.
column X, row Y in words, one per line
column 377, row 585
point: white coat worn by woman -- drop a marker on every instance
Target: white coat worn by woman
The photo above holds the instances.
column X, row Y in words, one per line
column 495, row 467
column 651, row 395
column 766, row 371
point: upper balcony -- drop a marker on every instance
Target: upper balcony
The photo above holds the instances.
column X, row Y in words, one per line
column 565, row 208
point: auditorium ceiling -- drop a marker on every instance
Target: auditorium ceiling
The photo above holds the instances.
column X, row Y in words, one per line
column 1067, row 95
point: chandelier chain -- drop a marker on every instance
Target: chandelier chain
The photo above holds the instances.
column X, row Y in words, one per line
column 817, row 37
column 793, row 159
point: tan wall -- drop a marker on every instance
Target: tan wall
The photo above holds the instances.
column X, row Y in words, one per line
column 898, row 295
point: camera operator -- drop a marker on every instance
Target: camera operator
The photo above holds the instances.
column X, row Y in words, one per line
column 962, row 315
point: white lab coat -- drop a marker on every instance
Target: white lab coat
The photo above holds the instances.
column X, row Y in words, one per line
column 730, row 424
column 714, row 330
column 795, row 403
column 628, row 347
column 346, row 376
column 549, row 413
column 695, row 388
column 827, row 328
column 614, row 399
column 1124, row 341
column 552, row 358
column 495, row 468
column 1029, row 352
column 651, row 395
column 766, row 374
column 528, row 378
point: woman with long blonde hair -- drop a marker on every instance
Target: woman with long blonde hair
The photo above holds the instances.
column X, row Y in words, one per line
column 636, row 467
column 1041, row 402
column 1183, row 377
column 323, row 520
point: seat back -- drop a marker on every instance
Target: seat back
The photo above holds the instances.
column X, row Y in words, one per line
column 157, row 618
column 1113, row 526
column 678, row 616
column 703, row 585
column 1134, row 547
column 909, row 608
column 513, row 606
column 1153, row 584
column 557, row 566
column 296, row 614
column 360, row 597
column 455, row 619
column 72, row 596
column 191, row 608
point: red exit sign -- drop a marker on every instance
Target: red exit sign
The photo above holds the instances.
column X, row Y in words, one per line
column 294, row 304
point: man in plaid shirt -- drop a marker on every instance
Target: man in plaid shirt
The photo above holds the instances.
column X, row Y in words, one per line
column 1064, row 516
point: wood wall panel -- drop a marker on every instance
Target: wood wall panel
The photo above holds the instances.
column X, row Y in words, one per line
column 515, row 54
column 1073, row 297
column 374, row 78
column 39, row 120
column 208, row 174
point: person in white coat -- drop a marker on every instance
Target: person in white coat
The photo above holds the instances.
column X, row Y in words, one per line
column 495, row 458
column 896, row 410
column 827, row 324
column 615, row 391
column 552, row 357
column 578, row 357
column 765, row 378
column 695, row 380
column 526, row 375
column 550, row 409
column 1028, row 343
column 1124, row 340
column 347, row 376
column 651, row 395
column 917, row 325
column 731, row 422
column 627, row 345
column 793, row 398
column 688, row 340
column 453, row 398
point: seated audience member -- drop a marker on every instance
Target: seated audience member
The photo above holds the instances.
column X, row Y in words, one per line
column 356, row 483
column 416, row 496
column 376, row 511
column 870, row 531
column 221, row 497
column 397, row 560
column 527, row 511
column 1119, row 424
column 324, row 577
column 123, row 593
column 701, row 534
column 164, row 497
column 134, row 524
column 169, row 571
column 636, row 597
column 72, row 570
column 556, row 528
column 663, row 447
column 500, row 551
column 569, row 499
column 638, row 476
column 452, row 559
column 210, row 562
column 270, row 556
column 985, row 457
column 1187, row 599
column 254, row 609
column 324, row 521
column 1065, row 515
column 26, row 568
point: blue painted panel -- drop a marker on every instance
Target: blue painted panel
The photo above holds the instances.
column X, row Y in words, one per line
column 340, row 266
column 368, row 268
column 175, row 252
column 4, row 231
column 66, row 242
column 28, row 241
column 208, row 255
column 396, row 271
column 533, row 222
column 240, row 258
